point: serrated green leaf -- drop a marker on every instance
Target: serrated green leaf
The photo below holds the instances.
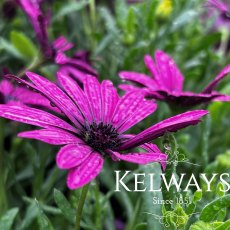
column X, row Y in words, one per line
column 210, row 211
column 7, row 219
column 24, row 45
column 64, row 205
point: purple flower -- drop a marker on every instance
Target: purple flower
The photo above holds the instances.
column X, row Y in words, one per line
column 222, row 8
column 166, row 83
column 77, row 67
column 98, row 118
column 39, row 21
column 11, row 95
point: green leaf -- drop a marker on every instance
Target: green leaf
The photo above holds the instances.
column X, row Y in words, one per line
column 7, row 219
column 64, row 205
column 210, row 210
column 24, row 45
column 43, row 221
column 192, row 206
column 7, row 46
column 200, row 225
column 151, row 210
column 142, row 226
column 183, row 19
column 70, row 8
column 224, row 226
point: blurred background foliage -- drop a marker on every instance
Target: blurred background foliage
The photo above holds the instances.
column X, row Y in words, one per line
column 117, row 34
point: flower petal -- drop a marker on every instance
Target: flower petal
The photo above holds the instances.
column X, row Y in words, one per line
column 33, row 117
column 76, row 93
column 72, row 155
column 62, row 44
column 219, row 77
column 6, row 88
column 141, row 158
column 168, row 71
column 109, row 99
column 86, row 172
column 139, row 78
column 92, row 91
column 143, row 109
column 58, row 97
column 171, row 124
column 51, row 136
column 126, row 107
column 152, row 148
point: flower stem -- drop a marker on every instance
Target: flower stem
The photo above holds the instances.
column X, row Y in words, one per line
column 80, row 206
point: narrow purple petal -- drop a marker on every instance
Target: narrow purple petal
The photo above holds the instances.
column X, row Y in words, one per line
column 143, row 109
column 171, row 124
column 58, row 97
column 92, row 91
column 28, row 97
column 222, row 98
column 219, row 77
column 127, row 88
column 33, row 117
column 74, row 73
column 6, row 88
column 72, row 155
column 169, row 73
column 76, row 93
column 152, row 148
column 109, row 99
column 126, row 107
column 141, row 158
column 62, row 44
column 86, row 172
column 219, row 5
column 139, row 78
column 51, row 136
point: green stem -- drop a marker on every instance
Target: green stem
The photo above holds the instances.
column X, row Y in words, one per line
column 3, row 197
column 98, row 208
column 93, row 12
column 80, row 206
column 33, row 66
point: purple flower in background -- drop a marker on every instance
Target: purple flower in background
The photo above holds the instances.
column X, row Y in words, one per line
column 39, row 21
column 78, row 66
column 222, row 8
column 98, row 118
column 166, row 83
column 9, row 94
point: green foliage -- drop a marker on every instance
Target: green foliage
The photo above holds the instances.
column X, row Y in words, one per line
column 24, row 45
column 6, row 221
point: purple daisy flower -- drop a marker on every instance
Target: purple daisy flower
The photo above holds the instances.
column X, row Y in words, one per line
column 39, row 21
column 166, row 83
column 98, row 118
column 11, row 95
column 77, row 67
column 222, row 8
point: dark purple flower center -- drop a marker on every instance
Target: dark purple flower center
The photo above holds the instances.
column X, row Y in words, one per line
column 101, row 136
column 225, row 15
